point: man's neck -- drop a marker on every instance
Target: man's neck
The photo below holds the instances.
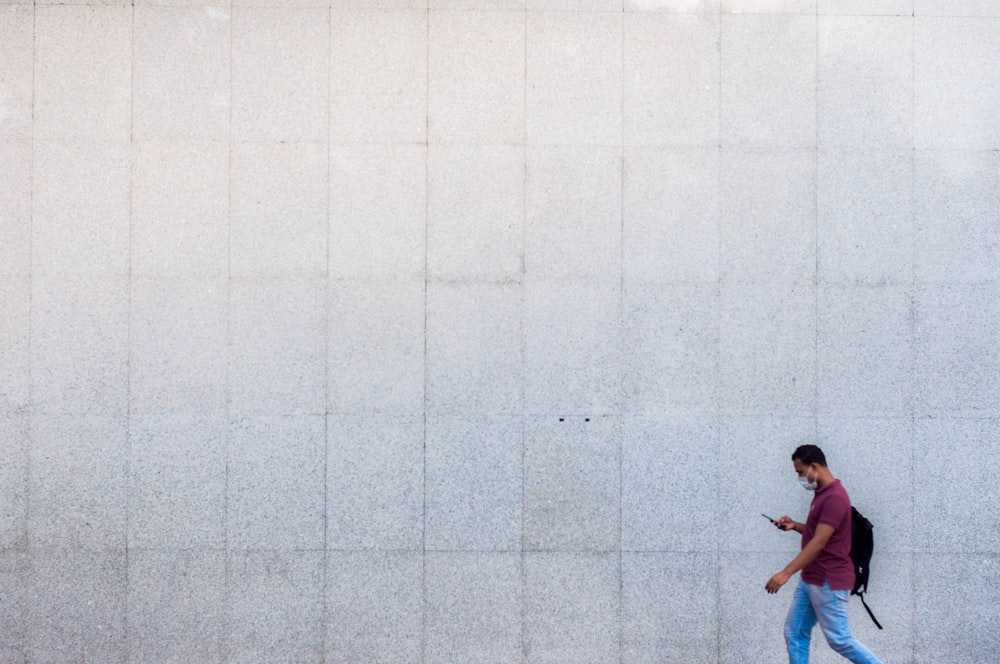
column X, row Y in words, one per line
column 825, row 478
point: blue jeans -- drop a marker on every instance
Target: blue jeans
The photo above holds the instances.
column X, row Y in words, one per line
column 813, row 603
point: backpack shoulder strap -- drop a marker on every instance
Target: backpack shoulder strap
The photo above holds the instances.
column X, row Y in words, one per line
column 868, row 609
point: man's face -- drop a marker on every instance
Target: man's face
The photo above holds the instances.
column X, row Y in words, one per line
column 802, row 470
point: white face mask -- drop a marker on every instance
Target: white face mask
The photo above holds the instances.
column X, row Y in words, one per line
column 807, row 485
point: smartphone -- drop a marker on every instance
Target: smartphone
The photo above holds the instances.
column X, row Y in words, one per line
column 769, row 519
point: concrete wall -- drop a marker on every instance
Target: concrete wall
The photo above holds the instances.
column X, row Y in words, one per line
column 483, row 331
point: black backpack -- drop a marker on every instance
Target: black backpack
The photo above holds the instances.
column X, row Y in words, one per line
column 862, row 546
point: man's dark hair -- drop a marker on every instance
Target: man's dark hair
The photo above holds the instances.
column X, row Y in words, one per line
column 809, row 454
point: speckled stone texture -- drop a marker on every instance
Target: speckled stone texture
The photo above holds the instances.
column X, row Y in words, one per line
column 481, row 331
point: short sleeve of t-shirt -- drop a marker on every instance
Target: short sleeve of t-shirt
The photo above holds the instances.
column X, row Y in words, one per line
column 835, row 510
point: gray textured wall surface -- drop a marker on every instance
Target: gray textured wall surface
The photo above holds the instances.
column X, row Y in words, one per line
column 482, row 330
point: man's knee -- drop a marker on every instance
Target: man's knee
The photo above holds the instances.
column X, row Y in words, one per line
column 842, row 644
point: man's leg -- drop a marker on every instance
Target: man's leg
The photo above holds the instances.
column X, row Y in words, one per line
column 799, row 625
column 831, row 611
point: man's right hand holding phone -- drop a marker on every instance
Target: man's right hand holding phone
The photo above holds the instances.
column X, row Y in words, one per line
column 787, row 523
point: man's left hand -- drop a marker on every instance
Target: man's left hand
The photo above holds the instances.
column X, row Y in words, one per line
column 776, row 581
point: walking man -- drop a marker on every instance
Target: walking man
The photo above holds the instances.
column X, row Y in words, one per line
column 827, row 571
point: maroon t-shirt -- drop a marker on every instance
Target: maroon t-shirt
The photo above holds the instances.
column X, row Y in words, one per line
column 831, row 506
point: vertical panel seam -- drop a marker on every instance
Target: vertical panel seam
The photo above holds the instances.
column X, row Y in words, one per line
column 815, row 220
column 128, row 338
column 327, row 303
column 423, row 455
column 30, row 409
column 717, row 391
column 523, row 342
column 621, row 344
column 913, row 327
column 227, row 431
column 28, row 568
